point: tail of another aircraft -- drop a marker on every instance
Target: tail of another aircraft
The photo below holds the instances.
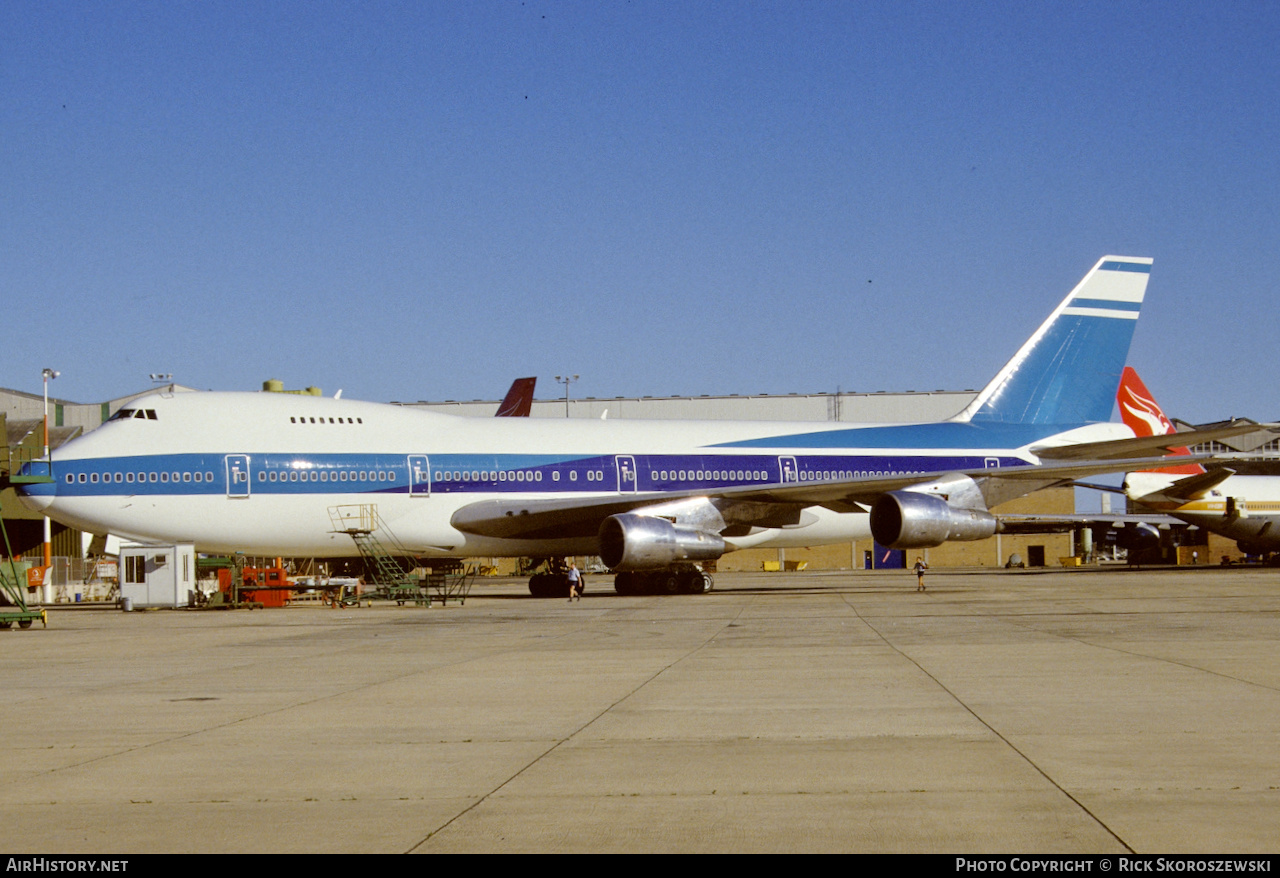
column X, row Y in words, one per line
column 519, row 399
column 1068, row 371
column 1142, row 415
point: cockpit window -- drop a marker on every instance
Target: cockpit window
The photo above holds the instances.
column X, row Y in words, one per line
column 125, row 414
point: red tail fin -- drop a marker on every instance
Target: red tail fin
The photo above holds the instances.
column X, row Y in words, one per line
column 519, row 400
column 1142, row 415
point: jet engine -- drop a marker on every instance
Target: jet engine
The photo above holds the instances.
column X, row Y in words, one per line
column 912, row 520
column 1139, row 538
column 645, row 542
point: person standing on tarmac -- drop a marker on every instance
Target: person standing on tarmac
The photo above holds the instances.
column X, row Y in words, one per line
column 920, row 567
column 575, row 582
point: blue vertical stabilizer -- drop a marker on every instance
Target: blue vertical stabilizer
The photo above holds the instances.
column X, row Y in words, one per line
column 1068, row 371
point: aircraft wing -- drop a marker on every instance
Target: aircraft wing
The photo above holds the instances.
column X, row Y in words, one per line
column 1030, row 523
column 757, row 506
column 1142, row 444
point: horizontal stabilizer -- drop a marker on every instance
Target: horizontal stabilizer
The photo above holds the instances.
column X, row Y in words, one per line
column 1140, row 445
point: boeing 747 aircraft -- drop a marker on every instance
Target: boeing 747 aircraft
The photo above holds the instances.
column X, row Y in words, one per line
column 260, row 472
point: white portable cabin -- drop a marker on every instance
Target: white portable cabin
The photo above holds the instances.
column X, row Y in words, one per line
column 158, row 576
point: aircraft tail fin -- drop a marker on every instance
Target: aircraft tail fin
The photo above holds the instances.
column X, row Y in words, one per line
column 1141, row 414
column 519, row 399
column 1067, row 372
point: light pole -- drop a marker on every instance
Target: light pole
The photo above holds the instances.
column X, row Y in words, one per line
column 47, row 374
column 566, row 380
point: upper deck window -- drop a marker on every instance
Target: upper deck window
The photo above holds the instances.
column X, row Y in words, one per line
column 125, row 414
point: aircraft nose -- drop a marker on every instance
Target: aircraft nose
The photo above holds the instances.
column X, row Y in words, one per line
column 36, row 489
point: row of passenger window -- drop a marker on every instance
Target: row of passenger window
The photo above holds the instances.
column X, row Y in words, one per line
column 491, row 476
column 326, row 476
column 826, row 475
column 712, row 475
column 288, row 476
column 129, row 478
column 460, row 476
column 309, row 420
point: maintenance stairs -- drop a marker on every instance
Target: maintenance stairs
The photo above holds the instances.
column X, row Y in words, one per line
column 13, row 585
column 388, row 563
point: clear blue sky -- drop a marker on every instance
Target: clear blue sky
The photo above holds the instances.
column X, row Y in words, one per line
column 426, row 200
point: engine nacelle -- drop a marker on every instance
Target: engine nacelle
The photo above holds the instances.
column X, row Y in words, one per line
column 1139, row 537
column 912, row 520
column 645, row 542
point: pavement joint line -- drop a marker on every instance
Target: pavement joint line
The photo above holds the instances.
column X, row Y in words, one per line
column 264, row 713
column 1135, row 654
column 1014, row 747
column 620, row 700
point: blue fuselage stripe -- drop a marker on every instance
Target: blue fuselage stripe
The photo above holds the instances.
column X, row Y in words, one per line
column 365, row 474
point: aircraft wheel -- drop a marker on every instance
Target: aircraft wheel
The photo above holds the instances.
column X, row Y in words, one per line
column 691, row 581
column 707, row 583
column 668, row 583
column 624, row 583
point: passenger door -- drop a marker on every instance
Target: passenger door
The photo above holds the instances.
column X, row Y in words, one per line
column 237, row 475
column 419, row 476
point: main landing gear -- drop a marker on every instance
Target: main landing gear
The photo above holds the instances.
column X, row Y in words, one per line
column 549, row 585
column 685, row 579
column 553, row 581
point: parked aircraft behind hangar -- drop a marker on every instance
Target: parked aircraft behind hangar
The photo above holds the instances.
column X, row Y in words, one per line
column 1245, row 508
column 259, row 472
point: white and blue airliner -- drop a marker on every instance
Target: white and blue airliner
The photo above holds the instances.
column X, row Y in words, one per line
column 259, row 472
